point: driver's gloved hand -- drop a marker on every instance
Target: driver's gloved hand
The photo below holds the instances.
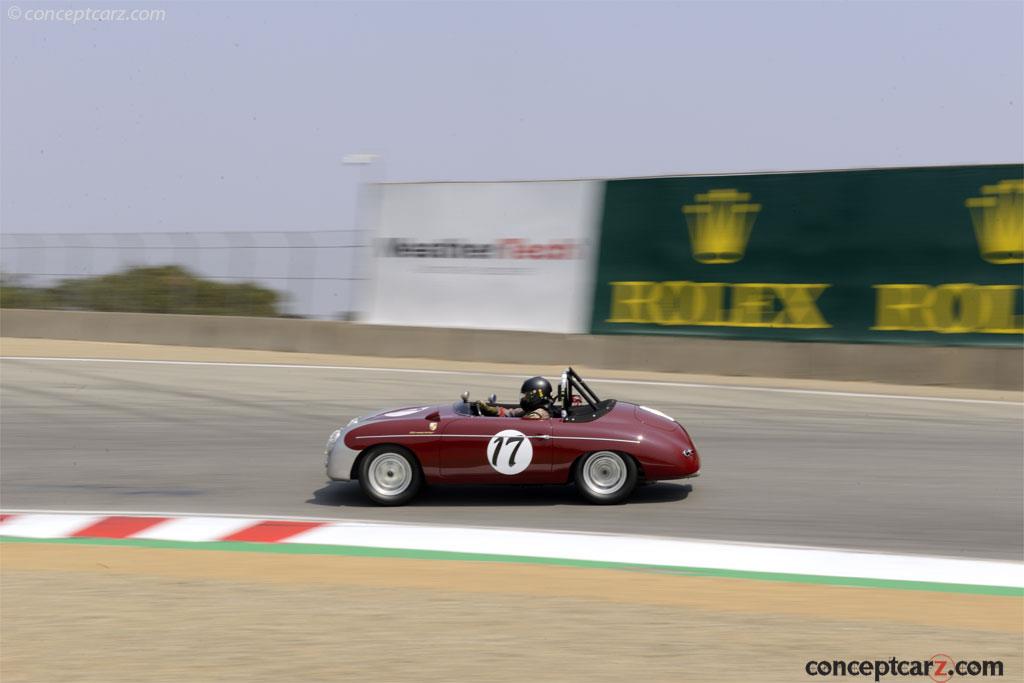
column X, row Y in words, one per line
column 486, row 408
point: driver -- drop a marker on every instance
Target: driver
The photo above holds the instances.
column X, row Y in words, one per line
column 534, row 402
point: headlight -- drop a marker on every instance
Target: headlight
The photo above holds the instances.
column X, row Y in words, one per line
column 334, row 439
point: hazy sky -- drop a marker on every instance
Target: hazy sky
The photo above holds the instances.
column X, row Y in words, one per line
column 235, row 115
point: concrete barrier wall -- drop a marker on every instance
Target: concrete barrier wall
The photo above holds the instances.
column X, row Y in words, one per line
column 984, row 368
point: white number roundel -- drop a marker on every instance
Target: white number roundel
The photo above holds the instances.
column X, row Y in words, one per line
column 509, row 451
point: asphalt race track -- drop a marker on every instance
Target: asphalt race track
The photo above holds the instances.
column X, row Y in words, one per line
column 920, row 476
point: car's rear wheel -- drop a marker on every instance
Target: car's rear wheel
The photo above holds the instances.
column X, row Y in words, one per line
column 390, row 475
column 606, row 477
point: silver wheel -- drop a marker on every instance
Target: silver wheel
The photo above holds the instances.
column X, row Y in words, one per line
column 605, row 473
column 389, row 475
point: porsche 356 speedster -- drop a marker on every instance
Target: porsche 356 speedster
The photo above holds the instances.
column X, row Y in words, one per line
column 603, row 447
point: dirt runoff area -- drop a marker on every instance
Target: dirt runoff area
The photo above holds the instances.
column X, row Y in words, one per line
column 99, row 613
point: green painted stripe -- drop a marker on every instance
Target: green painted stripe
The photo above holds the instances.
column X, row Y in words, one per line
column 403, row 553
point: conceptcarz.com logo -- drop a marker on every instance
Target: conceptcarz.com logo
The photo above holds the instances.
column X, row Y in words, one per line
column 939, row 668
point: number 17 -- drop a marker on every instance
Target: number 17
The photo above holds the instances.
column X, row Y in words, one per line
column 500, row 442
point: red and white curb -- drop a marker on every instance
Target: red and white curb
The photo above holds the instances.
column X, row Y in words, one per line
column 605, row 548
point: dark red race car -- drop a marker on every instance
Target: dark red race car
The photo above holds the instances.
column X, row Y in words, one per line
column 605, row 447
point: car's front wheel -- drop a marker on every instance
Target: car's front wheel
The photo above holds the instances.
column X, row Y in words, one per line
column 606, row 477
column 390, row 475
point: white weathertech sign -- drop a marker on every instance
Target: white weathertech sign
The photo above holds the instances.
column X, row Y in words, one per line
column 512, row 256
column 509, row 451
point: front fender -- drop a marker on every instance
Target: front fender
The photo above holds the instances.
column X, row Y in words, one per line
column 340, row 459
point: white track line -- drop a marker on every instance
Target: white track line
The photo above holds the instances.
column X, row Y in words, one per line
column 605, row 548
column 244, row 516
column 669, row 553
column 468, row 373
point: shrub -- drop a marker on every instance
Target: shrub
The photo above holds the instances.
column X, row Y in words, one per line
column 160, row 289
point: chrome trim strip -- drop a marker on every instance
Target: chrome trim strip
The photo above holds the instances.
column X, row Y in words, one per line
column 488, row 436
column 596, row 438
column 461, row 436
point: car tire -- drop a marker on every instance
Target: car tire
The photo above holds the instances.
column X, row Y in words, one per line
column 390, row 475
column 606, row 477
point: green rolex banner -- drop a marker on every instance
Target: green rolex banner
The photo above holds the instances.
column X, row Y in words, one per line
column 921, row 255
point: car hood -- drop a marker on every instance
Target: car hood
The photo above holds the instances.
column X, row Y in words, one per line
column 397, row 413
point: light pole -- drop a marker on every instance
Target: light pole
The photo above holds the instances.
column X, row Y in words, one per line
column 363, row 161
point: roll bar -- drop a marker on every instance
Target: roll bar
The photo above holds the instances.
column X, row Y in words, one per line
column 572, row 381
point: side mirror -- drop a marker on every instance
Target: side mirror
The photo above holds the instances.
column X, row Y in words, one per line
column 492, row 399
column 465, row 397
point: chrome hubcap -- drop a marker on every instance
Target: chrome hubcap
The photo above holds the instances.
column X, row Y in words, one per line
column 604, row 473
column 389, row 475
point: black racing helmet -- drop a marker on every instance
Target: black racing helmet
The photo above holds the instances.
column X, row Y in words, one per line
column 535, row 393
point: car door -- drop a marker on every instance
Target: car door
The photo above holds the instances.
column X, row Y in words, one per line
column 496, row 450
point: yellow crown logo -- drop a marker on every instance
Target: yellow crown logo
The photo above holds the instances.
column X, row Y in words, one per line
column 998, row 219
column 720, row 224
